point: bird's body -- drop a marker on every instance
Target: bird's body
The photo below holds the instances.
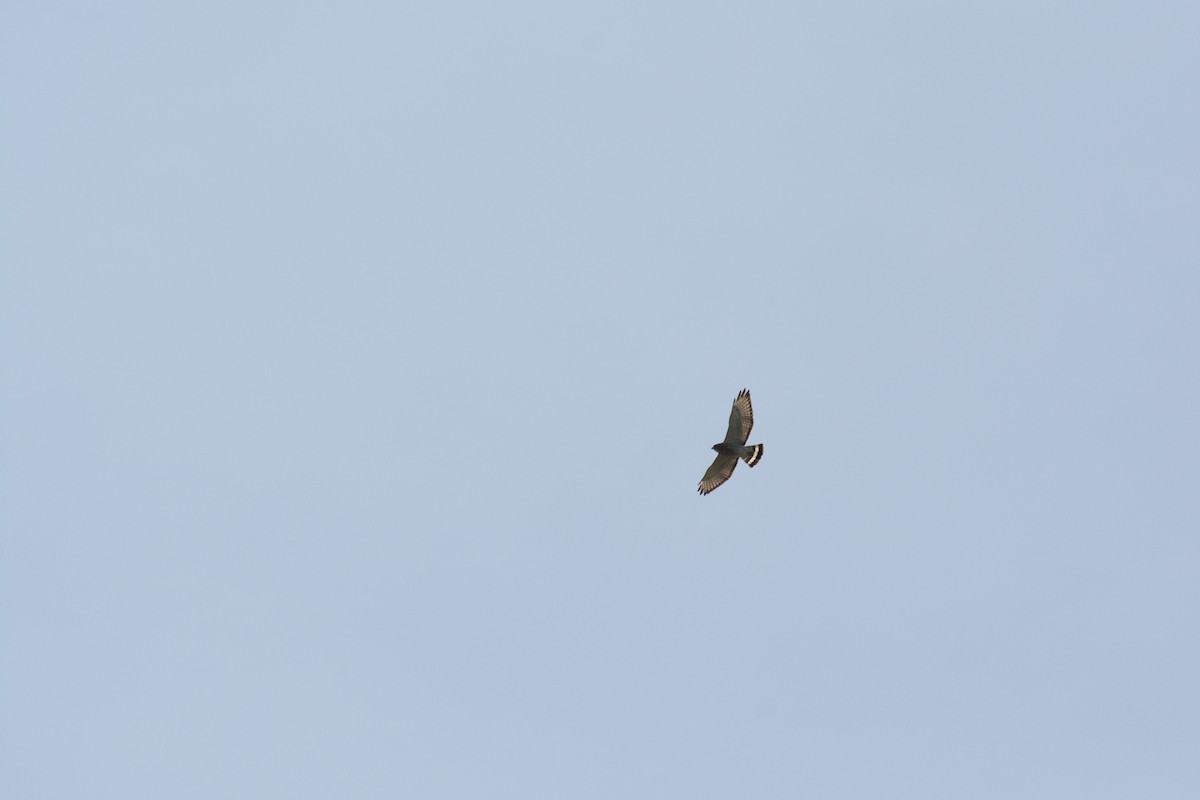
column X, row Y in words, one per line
column 741, row 421
column 741, row 451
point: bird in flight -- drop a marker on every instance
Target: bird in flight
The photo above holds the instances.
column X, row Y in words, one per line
column 741, row 420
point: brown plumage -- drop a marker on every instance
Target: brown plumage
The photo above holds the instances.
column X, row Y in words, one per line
column 741, row 421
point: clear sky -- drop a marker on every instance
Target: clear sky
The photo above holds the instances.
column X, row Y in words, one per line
column 360, row 361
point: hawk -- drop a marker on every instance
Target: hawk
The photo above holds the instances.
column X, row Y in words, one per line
column 741, row 420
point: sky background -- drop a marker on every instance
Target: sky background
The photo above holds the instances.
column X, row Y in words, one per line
column 360, row 361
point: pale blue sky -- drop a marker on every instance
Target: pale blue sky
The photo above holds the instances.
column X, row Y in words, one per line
column 359, row 364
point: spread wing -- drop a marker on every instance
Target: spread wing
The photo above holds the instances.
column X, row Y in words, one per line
column 741, row 420
column 718, row 473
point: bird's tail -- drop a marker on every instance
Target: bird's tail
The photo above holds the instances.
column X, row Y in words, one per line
column 752, row 454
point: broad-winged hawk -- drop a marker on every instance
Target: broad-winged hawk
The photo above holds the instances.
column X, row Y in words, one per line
column 741, row 420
